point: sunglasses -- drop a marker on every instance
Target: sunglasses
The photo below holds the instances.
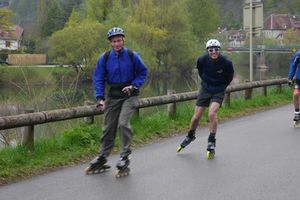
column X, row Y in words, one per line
column 216, row 49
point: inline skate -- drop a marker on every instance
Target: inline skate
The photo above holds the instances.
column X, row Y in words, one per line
column 211, row 146
column 187, row 140
column 122, row 167
column 97, row 166
column 296, row 119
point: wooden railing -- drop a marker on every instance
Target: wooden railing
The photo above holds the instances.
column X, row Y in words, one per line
column 29, row 119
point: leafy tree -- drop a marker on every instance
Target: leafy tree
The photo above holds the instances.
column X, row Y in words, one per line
column 73, row 19
column 291, row 37
column 54, row 20
column 118, row 14
column 78, row 44
column 204, row 17
column 97, row 9
column 166, row 38
column 5, row 18
column 68, row 6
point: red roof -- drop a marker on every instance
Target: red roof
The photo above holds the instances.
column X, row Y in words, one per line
column 282, row 22
column 15, row 33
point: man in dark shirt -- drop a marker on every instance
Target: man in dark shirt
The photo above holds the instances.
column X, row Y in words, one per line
column 216, row 73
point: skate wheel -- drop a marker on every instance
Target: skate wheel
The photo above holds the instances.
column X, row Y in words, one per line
column 210, row 155
column 120, row 174
column 89, row 170
column 296, row 124
column 179, row 149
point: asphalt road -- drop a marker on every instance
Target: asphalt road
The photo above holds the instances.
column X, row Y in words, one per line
column 258, row 157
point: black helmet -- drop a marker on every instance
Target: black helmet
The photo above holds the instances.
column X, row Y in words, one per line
column 115, row 31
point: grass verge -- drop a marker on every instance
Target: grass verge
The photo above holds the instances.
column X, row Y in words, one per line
column 80, row 144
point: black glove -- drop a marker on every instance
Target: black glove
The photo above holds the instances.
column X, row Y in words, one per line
column 291, row 83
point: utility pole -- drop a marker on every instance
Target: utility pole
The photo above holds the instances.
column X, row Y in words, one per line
column 251, row 47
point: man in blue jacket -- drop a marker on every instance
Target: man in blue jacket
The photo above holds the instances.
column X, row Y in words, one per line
column 216, row 73
column 294, row 77
column 124, row 72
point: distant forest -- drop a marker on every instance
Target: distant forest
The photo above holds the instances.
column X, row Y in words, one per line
column 34, row 15
column 150, row 23
column 230, row 11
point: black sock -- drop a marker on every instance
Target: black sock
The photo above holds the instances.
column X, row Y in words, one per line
column 296, row 109
column 191, row 133
column 212, row 137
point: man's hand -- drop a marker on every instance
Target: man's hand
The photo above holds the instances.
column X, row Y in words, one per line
column 100, row 105
column 128, row 90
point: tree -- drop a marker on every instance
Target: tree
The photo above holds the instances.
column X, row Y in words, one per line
column 54, row 20
column 166, row 38
column 204, row 17
column 291, row 37
column 78, row 44
column 97, row 9
column 68, row 6
column 73, row 19
column 118, row 14
column 5, row 19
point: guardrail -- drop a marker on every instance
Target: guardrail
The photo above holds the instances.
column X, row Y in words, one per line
column 31, row 118
column 270, row 50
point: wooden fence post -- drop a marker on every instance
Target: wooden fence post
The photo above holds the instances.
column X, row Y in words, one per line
column 28, row 133
column 248, row 94
column 265, row 91
column 227, row 99
column 279, row 88
column 88, row 119
column 172, row 106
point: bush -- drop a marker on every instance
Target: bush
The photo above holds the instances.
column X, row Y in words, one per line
column 82, row 136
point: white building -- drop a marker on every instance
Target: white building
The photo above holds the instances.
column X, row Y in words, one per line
column 277, row 24
column 11, row 40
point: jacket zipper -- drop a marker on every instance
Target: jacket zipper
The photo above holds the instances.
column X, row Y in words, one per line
column 119, row 69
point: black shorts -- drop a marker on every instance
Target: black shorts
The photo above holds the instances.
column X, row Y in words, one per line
column 205, row 98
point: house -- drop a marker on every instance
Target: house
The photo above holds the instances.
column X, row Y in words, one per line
column 11, row 40
column 236, row 38
column 277, row 24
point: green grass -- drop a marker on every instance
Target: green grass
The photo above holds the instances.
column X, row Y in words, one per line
column 80, row 144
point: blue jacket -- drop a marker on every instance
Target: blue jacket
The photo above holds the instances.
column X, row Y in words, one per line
column 118, row 69
column 216, row 74
column 294, row 66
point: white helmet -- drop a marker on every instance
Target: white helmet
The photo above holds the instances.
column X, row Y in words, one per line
column 213, row 43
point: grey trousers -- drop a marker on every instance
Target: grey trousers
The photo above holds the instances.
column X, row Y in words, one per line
column 117, row 115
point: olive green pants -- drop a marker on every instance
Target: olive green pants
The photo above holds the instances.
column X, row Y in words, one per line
column 117, row 115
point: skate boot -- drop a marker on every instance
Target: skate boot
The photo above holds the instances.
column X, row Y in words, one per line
column 97, row 166
column 187, row 140
column 122, row 167
column 211, row 146
column 296, row 119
